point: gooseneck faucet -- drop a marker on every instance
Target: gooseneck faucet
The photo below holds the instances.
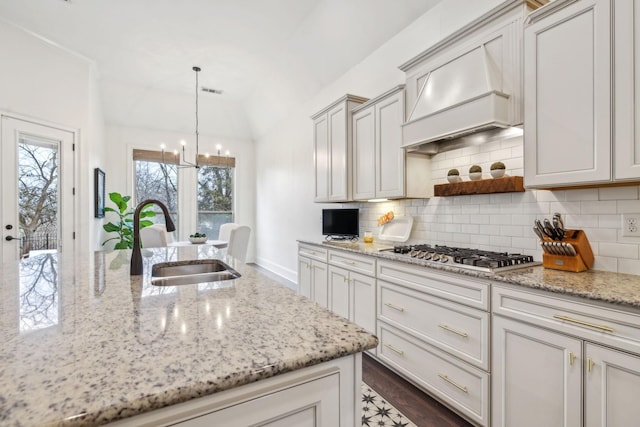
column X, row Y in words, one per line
column 136, row 256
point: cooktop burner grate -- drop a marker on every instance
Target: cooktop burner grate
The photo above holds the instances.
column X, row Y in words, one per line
column 467, row 257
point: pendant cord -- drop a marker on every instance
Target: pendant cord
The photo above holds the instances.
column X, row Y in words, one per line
column 197, row 69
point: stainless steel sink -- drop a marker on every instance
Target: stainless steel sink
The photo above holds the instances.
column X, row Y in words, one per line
column 190, row 272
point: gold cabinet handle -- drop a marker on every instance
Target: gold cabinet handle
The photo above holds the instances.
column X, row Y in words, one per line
column 450, row 329
column 345, row 279
column 590, row 364
column 395, row 307
column 392, row 348
column 453, row 383
column 572, row 357
column 349, row 262
column 583, row 323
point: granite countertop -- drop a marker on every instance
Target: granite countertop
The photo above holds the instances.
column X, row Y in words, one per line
column 615, row 288
column 83, row 343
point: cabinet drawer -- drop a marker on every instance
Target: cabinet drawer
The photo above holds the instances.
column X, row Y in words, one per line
column 359, row 263
column 459, row 330
column 464, row 387
column 453, row 287
column 605, row 324
column 313, row 252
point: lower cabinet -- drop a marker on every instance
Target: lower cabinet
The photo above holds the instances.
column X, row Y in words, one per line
column 353, row 295
column 550, row 367
column 312, row 274
column 430, row 337
column 537, row 376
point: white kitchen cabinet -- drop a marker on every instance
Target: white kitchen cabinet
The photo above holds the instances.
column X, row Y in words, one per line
column 612, row 386
column 433, row 328
column 567, row 94
column 353, row 296
column 554, row 356
column 332, row 150
column 381, row 168
column 312, row 274
column 626, row 89
column 536, row 376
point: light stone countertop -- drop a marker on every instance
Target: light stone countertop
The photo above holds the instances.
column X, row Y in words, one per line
column 615, row 288
column 83, row 343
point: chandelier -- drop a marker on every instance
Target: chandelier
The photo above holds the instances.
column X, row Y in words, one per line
column 182, row 162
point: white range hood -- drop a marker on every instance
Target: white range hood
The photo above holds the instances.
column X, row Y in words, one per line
column 467, row 83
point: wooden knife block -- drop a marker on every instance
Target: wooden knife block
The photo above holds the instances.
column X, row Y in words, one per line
column 583, row 260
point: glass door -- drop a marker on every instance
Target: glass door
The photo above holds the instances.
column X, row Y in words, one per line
column 37, row 184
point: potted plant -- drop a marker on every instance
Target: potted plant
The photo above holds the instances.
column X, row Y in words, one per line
column 475, row 172
column 196, row 238
column 124, row 226
column 453, row 175
column 497, row 169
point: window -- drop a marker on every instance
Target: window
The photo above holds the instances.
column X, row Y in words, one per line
column 215, row 193
column 155, row 179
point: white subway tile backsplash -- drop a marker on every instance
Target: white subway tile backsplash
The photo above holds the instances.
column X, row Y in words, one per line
column 618, row 193
column 618, row 250
column 598, row 207
column 628, row 206
column 504, row 221
column 582, row 194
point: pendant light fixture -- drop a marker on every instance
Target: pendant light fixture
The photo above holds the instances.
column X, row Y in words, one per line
column 184, row 163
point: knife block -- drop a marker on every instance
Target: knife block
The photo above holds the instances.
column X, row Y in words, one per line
column 582, row 261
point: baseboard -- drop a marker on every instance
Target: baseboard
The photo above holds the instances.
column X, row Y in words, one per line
column 289, row 275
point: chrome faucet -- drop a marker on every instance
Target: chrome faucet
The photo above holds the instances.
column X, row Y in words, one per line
column 136, row 256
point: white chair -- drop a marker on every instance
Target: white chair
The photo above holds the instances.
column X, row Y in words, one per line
column 225, row 231
column 239, row 242
column 155, row 236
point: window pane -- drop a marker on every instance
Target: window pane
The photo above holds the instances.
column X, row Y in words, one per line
column 158, row 181
column 215, row 198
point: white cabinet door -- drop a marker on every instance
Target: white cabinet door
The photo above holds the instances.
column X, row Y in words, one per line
column 320, row 289
column 364, row 154
column 567, row 88
column 536, row 376
column 627, row 92
column 339, row 291
column 612, row 387
column 321, row 158
column 339, row 154
column 304, row 277
column 390, row 158
column 363, row 295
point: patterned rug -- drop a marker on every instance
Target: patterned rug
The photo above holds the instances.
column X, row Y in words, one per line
column 377, row 412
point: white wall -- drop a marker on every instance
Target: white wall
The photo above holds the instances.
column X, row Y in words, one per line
column 286, row 211
column 47, row 83
column 119, row 171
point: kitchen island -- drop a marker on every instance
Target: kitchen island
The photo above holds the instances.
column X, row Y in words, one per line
column 84, row 343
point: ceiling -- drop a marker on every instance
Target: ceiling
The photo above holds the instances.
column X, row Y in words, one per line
column 144, row 49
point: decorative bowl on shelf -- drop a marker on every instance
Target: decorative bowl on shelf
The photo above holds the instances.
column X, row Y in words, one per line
column 497, row 173
column 454, row 178
column 197, row 238
column 475, row 175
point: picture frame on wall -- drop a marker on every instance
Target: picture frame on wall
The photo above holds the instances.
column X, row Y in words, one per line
column 99, row 180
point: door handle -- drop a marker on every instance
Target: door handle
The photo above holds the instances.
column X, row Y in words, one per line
column 10, row 238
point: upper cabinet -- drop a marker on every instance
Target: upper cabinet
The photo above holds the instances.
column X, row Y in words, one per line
column 567, row 62
column 581, row 97
column 381, row 168
column 332, row 150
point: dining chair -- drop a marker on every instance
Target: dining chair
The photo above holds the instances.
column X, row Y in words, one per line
column 155, row 236
column 225, row 230
column 239, row 242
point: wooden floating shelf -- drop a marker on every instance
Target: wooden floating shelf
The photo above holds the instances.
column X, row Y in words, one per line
column 506, row 184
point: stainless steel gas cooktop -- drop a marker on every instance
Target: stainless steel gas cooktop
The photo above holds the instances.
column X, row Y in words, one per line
column 474, row 259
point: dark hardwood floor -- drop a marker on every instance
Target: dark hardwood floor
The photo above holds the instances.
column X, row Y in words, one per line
column 416, row 405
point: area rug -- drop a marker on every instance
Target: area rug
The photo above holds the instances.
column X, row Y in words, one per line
column 377, row 412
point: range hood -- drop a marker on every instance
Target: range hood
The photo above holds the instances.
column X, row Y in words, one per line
column 467, row 83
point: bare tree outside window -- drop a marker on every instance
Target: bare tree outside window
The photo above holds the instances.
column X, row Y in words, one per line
column 215, row 198
column 38, row 195
column 157, row 180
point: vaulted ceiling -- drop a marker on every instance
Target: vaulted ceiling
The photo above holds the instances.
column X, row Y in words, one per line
column 144, row 49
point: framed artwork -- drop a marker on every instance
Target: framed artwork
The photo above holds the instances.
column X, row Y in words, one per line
column 99, row 178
